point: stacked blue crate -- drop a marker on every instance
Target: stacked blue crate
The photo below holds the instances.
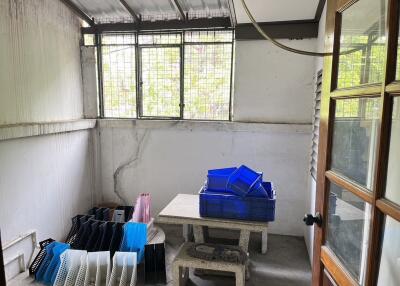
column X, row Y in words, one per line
column 244, row 197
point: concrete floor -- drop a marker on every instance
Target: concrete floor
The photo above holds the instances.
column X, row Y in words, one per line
column 285, row 263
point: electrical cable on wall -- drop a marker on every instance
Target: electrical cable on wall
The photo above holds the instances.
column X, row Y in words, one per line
column 276, row 43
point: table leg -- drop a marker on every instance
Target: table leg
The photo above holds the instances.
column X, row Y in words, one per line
column 244, row 245
column 244, row 240
column 240, row 279
column 187, row 232
column 180, row 275
column 264, row 240
column 198, row 234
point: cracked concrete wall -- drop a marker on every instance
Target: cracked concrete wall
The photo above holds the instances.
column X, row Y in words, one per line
column 165, row 158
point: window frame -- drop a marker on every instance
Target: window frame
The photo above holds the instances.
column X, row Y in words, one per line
column 138, row 61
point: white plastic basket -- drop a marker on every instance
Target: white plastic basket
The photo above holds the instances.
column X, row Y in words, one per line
column 103, row 268
column 70, row 264
column 124, row 269
column 80, row 278
column 97, row 268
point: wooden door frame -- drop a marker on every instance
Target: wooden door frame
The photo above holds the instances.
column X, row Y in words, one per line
column 323, row 256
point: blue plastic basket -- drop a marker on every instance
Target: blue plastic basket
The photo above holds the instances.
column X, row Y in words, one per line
column 263, row 190
column 243, row 180
column 217, row 179
column 51, row 272
column 134, row 239
column 230, row 206
column 46, row 261
column 49, row 267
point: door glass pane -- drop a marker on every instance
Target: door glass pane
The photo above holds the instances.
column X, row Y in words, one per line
column 389, row 269
column 362, row 43
column 393, row 178
column 161, row 81
column 354, row 138
column 348, row 230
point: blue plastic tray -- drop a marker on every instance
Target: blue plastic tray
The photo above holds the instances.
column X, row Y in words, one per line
column 243, row 180
column 217, row 179
column 230, row 206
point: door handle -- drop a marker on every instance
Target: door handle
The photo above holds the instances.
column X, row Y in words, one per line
column 309, row 219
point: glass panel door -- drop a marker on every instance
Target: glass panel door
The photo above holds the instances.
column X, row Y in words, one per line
column 357, row 224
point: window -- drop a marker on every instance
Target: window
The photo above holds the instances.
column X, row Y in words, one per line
column 176, row 75
column 208, row 60
column 119, row 76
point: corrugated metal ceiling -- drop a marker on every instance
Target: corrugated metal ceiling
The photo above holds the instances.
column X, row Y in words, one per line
column 108, row 11
column 104, row 10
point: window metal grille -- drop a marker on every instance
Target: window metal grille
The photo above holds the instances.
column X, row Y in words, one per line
column 208, row 66
column 119, row 76
column 118, row 39
column 207, row 81
column 212, row 36
column 180, row 75
column 160, row 39
column 160, row 67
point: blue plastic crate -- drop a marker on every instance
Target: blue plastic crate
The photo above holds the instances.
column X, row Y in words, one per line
column 231, row 206
column 217, row 179
column 263, row 190
column 243, row 180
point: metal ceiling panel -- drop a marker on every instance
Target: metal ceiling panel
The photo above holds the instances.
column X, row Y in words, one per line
column 104, row 11
column 152, row 10
column 206, row 8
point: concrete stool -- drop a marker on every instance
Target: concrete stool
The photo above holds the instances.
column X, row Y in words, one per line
column 182, row 263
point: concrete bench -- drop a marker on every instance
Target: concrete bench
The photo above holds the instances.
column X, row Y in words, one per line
column 182, row 263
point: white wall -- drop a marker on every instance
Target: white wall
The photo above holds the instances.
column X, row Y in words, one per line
column 40, row 77
column 166, row 158
column 273, row 85
column 46, row 179
column 311, row 191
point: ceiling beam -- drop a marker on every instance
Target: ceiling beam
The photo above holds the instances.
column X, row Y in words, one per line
column 130, row 10
column 78, row 12
column 298, row 29
column 203, row 23
column 320, row 8
column 178, row 7
column 232, row 13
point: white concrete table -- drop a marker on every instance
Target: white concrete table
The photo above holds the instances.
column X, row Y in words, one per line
column 184, row 209
column 183, row 261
